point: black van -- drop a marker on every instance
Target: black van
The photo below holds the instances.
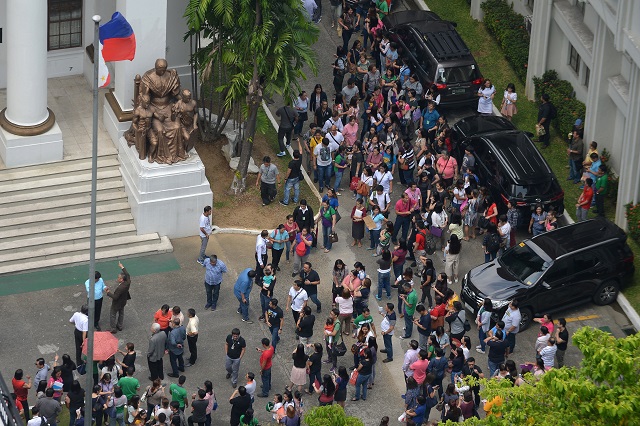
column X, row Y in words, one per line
column 509, row 164
column 554, row 271
column 436, row 54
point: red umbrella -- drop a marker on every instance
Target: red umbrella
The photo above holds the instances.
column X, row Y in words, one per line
column 105, row 345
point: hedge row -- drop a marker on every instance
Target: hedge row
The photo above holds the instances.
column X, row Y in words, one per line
column 563, row 97
column 507, row 27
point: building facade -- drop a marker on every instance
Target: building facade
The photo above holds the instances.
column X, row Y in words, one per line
column 595, row 45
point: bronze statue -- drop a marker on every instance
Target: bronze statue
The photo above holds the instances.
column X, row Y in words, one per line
column 164, row 118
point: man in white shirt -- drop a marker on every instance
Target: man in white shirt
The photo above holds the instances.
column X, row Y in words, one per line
column 36, row 420
column 384, row 177
column 548, row 353
column 81, row 322
column 511, row 321
column 333, row 121
column 296, row 300
column 382, row 199
column 205, row 231
column 410, row 357
column 324, row 162
column 504, row 229
column 335, row 137
column 192, row 337
column 261, row 255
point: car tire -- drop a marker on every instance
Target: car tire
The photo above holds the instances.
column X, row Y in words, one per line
column 560, row 209
column 606, row 293
column 526, row 316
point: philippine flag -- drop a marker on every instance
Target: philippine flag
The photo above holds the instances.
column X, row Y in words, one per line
column 117, row 43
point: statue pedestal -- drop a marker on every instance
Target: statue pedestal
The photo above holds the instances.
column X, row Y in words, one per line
column 164, row 198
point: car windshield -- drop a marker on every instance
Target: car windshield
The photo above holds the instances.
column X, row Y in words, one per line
column 461, row 74
column 523, row 263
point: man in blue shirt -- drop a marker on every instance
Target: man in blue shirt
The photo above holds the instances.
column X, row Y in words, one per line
column 99, row 289
column 241, row 290
column 212, row 280
column 429, row 121
column 175, row 346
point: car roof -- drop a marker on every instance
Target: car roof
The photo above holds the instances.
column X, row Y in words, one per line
column 514, row 148
column 419, row 19
column 571, row 238
column 475, row 125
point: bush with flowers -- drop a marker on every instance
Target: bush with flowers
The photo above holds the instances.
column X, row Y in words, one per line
column 633, row 221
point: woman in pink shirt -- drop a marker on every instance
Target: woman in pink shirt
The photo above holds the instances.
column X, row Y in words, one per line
column 375, row 158
column 350, row 131
column 419, row 367
column 447, row 168
column 414, row 195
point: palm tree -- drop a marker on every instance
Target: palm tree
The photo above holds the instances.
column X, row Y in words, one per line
column 263, row 45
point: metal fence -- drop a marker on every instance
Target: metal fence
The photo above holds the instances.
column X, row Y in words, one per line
column 9, row 415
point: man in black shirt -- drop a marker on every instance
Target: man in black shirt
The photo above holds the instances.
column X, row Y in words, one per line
column 198, row 409
column 240, row 402
column 303, row 216
column 544, row 119
column 314, row 365
column 562, row 338
column 274, row 318
column 423, row 323
column 234, row 348
column 304, row 328
column 470, row 369
column 292, row 179
column 497, row 350
column 310, row 280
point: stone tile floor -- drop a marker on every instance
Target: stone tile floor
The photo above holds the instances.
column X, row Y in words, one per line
column 71, row 100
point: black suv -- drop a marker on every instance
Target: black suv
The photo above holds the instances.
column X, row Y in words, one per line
column 574, row 264
column 509, row 164
column 436, row 54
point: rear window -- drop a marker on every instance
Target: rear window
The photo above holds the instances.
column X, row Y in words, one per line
column 461, row 74
column 523, row 263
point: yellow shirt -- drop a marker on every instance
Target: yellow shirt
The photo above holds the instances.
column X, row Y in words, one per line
column 587, row 159
column 313, row 142
column 454, row 298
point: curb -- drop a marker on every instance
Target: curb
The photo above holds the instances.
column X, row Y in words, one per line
column 628, row 310
column 218, row 230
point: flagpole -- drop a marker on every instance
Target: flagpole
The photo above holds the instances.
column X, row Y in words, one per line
column 92, row 246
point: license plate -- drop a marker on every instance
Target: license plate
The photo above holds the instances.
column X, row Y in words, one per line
column 469, row 307
column 458, row 91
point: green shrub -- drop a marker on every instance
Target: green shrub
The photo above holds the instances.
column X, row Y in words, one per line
column 633, row 220
column 330, row 415
column 507, row 27
column 563, row 97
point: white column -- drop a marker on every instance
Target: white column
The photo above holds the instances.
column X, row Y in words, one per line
column 148, row 18
column 476, row 10
column 27, row 62
column 539, row 44
column 29, row 133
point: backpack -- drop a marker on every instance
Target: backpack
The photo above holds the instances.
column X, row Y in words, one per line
column 301, row 248
column 325, row 153
column 553, row 112
column 493, row 243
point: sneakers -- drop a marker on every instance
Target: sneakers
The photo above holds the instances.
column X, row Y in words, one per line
column 479, row 347
column 248, row 321
column 283, row 203
column 480, row 351
column 378, row 298
column 281, row 154
column 201, row 262
column 238, row 311
column 261, row 318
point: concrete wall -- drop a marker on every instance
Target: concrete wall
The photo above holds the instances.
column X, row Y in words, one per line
column 178, row 50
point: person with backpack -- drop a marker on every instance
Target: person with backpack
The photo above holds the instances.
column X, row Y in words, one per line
column 324, row 161
column 491, row 243
column 546, row 112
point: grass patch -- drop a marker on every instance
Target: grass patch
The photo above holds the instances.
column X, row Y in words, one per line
column 494, row 66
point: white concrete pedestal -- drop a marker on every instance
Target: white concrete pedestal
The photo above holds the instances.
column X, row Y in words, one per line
column 112, row 125
column 167, row 199
column 19, row 151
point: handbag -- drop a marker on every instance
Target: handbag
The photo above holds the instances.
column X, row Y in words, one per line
column 354, row 183
column 143, row 398
column 340, row 349
column 333, row 237
column 440, row 405
column 483, row 222
column 540, row 130
column 338, row 216
column 354, row 377
column 82, row 369
column 436, row 232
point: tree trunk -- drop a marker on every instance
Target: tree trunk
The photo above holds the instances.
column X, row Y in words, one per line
column 254, row 100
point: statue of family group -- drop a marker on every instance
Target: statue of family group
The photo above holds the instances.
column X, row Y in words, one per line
column 165, row 117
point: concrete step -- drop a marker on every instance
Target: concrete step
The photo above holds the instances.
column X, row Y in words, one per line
column 104, row 231
column 49, row 205
column 75, row 247
column 60, row 194
column 163, row 245
column 67, row 179
column 62, row 227
column 59, row 168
